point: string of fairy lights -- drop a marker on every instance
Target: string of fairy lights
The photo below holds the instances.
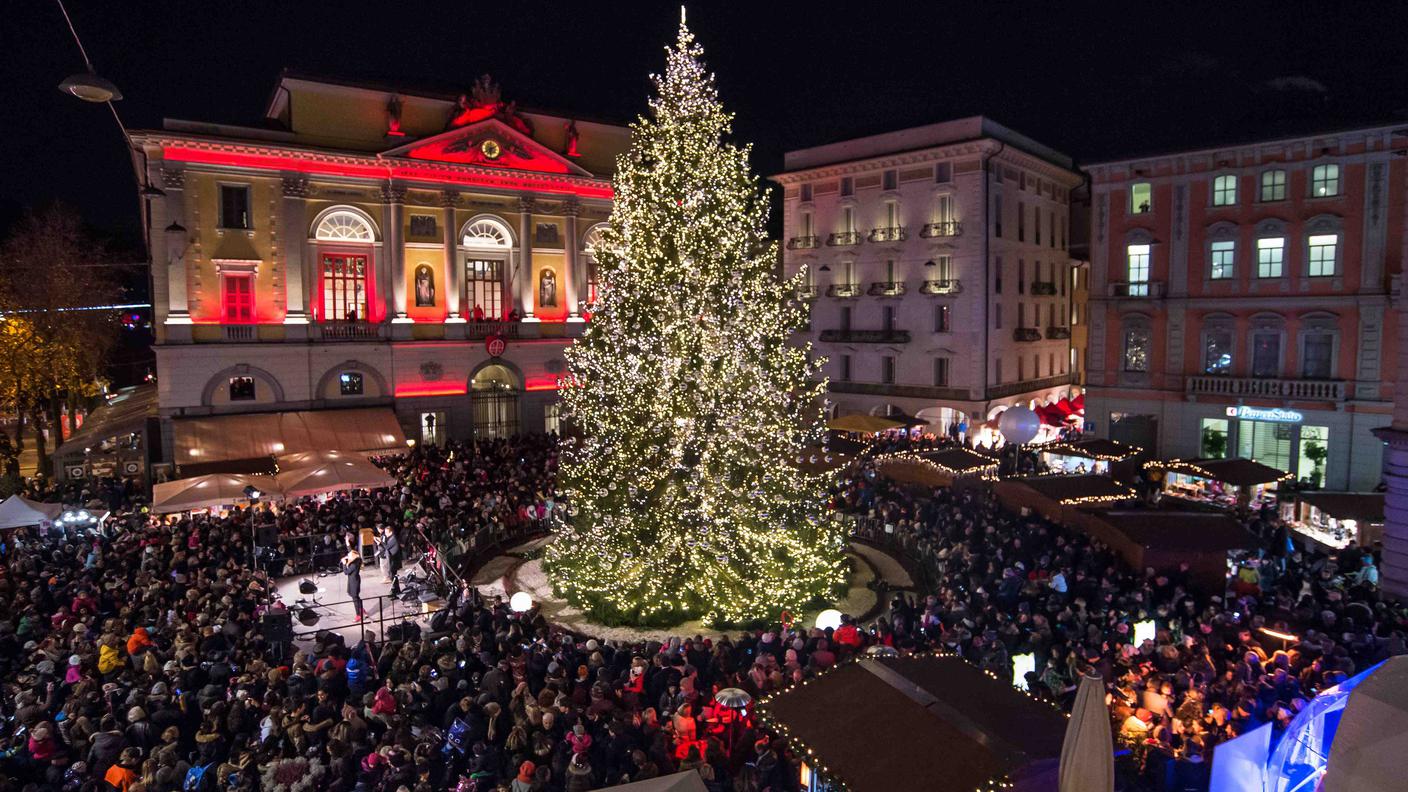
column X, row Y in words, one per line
column 769, row 720
column 692, row 400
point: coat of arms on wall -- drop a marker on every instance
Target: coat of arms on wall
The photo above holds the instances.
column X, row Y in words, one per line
column 431, row 371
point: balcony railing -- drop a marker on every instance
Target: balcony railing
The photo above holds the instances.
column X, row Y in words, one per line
column 911, row 391
column 239, row 332
column 802, row 243
column 948, row 228
column 1043, row 288
column 865, row 336
column 1256, row 387
column 478, row 331
column 843, row 291
column 1058, row 332
column 350, row 331
column 889, row 234
column 941, row 286
column 1014, row 388
column 886, row 289
column 807, row 292
column 843, row 239
column 1137, row 290
column 1026, row 334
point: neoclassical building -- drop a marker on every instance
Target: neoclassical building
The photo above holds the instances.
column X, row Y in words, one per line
column 368, row 246
column 1241, row 301
column 937, row 265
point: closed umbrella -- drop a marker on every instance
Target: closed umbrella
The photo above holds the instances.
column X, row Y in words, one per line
column 1088, row 753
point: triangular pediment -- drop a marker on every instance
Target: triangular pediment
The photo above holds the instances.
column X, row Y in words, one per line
column 489, row 143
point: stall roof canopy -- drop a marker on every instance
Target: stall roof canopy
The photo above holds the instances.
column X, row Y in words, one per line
column 934, row 468
column 126, row 412
column 267, row 435
column 1237, row 472
column 18, row 511
column 686, row 781
column 1195, row 531
column 1096, row 448
column 1366, row 507
column 931, row 722
column 1072, row 490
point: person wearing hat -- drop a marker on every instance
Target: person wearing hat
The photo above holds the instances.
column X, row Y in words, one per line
column 523, row 782
column 352, row 568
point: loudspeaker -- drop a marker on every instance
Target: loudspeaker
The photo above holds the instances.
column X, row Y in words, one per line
column 277, row 627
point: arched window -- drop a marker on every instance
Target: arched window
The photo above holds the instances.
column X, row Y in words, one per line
column 344, row 225
column 590, row 242
column 486, row 234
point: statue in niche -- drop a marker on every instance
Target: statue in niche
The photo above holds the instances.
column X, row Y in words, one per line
column 572, row 137
column 425, row 287
column 547, row 289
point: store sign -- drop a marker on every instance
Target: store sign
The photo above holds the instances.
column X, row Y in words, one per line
column 1272, row 414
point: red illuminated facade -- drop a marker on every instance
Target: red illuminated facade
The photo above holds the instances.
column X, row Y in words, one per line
column 359, row 247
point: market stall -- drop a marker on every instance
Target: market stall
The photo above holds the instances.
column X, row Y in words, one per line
column 1228, row 483
column 941, row 468
column 1092, row 455
column 1334, row 519
column 18, row 511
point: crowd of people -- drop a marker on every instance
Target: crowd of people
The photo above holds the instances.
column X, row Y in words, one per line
column 1000, row 584
column 139, row 658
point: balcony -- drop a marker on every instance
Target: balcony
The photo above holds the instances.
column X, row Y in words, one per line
column 1256, row 387
column 1043, row 288
column 807, row 292
column 944, row 230
column 888, row 234
column 349, row 331
column 942, row 286
column 843, row 291
column 886, row 289
column 1026, row 334
column 1014, row 388
column 844, row 239
column 802, row 243
column 478, row 331
column 909, row 391
column 239, row 332
column 1136, row 290
column 865, row 336
column 1058, row 332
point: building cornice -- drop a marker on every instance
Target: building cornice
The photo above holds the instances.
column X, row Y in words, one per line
column 897, row 160
column 283, row 160
column 1257, row 153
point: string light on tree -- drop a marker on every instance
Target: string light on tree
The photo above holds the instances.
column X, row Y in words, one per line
column 691, row 400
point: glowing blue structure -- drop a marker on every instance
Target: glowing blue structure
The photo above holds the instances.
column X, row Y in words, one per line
column 1255, row 762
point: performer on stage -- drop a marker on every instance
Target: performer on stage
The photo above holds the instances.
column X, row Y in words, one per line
column 352, row 568
column 389, row 551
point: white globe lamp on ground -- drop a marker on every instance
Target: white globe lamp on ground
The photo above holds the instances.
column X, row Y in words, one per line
column 829, row 619
column 1018, row 425
column 520, row 602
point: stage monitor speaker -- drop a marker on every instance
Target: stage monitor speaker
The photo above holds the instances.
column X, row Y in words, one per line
column 277, row 627
column 307, row 617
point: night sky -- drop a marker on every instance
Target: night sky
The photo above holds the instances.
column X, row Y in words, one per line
column 1093, row 81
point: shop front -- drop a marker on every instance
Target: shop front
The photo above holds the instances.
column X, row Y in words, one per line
column 1280, row 438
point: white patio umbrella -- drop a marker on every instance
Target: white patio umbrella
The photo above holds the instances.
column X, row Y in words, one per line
column 332, row 476
column 306, row 458
column 1372, row 739
column 1088, row 753
column 209, row 491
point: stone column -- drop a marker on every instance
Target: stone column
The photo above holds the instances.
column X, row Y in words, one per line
column 395, row 197
column 573, row 256
column 523, row 283
column 1393, row 577
column 454, row 273
column 175, row 246
column 293, row 232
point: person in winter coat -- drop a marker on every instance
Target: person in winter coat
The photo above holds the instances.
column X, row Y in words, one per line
column 524, row 781
column 579, row 774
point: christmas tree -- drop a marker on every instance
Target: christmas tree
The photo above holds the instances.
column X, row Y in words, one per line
column 694, row 407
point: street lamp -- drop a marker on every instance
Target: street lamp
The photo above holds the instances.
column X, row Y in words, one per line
column 90, row 87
